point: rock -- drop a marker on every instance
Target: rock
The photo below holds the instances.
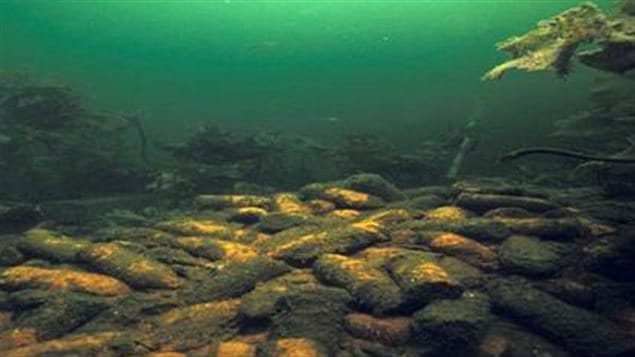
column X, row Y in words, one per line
column 422, row 279
column 582, row 332
column 296, row 347
column 394, row 331
column 260, row 303
column 375, row 185
column 512, row 212
column 175, row 257
column 507, row 339
column 148, row 237
column 75, row 345
column 372, row 288
column 188, row 226
column 290, row 203
column 130, row 311
column 449, row 213
column 342, row 239
column 235, row 349
column 555, row 229
column 453, row 327
column 134, row 269
column 378, row 257
column 24, row 277
column 594, row 228
column 494, row 346
column 467, row 275
column 279, row 221
column 317, row 316
column 250, row 237
column 319, row 206
column 360, row 347
column 26, row 299
column 612, row 211
column 45, row 244
column 425, row 202
column 344, row 213
column 460, row 247
column 246, row 215
column 561, row 212
column 166, row 354
column 352, row 199
column 357, row 191
column 60, row 314
column 493, row 185
column 531, row 256
column 17, row 337
column 232, row 279
column 40, row 263
column 480, row 202
column 480, row 229
column 569, row 291
column 439, row 191
column 215, row 249
column 342, row 197
column 193, row 326
column 218, row 202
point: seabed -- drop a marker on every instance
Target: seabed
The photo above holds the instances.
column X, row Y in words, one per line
column 349, row 268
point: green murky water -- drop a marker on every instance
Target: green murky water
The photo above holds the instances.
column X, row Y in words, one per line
column 406, row 71
column 318, row 67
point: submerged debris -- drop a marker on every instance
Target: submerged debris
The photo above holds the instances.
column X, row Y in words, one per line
column 555, row 41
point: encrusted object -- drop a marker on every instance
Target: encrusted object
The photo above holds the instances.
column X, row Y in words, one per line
column 554, row 42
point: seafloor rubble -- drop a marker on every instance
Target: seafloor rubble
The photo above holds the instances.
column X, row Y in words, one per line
column 349, row 268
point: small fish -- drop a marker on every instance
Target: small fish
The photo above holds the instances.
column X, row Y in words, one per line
column 263, row 46
column 625, row 119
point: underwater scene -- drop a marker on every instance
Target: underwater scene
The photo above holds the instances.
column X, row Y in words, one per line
column 317, row 178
